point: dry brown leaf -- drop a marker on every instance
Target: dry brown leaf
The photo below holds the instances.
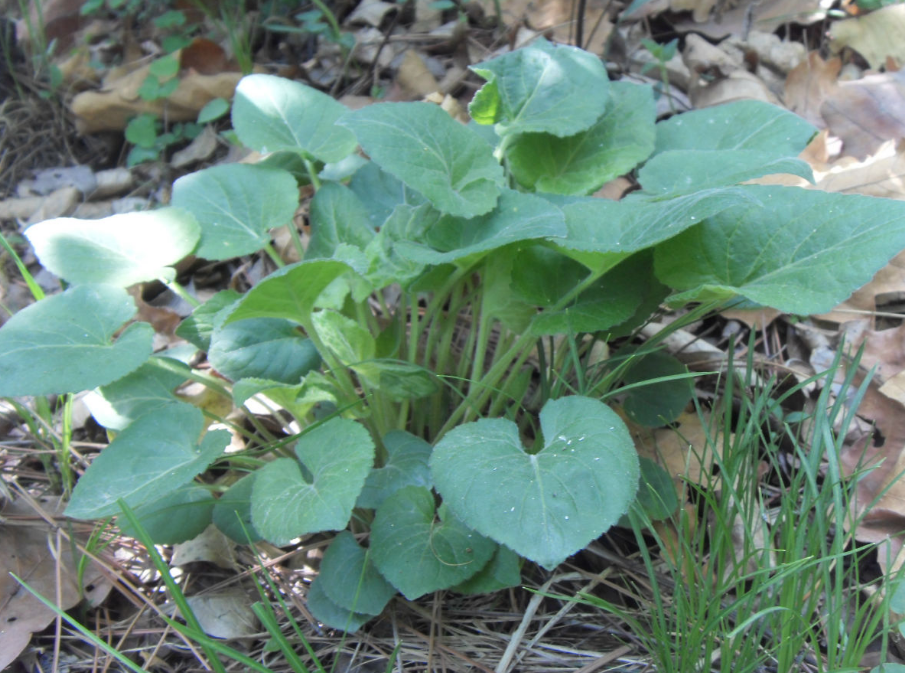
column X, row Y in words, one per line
column 875, row 36
column 809, row 84
column 111, row 108
column 866, row 113
column 30, row 548
column 556, row 18
column 414, row 77
column 763, row 15
column 685, row 451
column 225, row 614
column 739, row 85
column 884, row 349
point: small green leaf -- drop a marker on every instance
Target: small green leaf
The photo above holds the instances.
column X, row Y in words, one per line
column 419, row 554
column 581, row 163
column 350, row 580
column 802, row 251
column 176, row 517
column 213, row 110
column 673, row 173
column 64, row 343
column 337, row 457
column 272, row 114
column 337, row 216
column 290, row 292
column 142, row 130
column 548, row 504
column 267, row 348
column 236, row 206
column 656, row 491
column 165, row 67
column 328, row 612
column 117, row 250
column 502, row 572
column 406, row 465
column 154, row 456
column 427, row 149
column 743, row 125
column 400, row 380
column 233, row 507
column 541, row 88
column 346, row 339
column 519, row 217
column 145, row 390
column 198, row 327
column 660, row 403
column 297, row 399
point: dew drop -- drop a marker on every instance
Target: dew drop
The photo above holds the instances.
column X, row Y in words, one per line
column 566, row 518
column 512, row 510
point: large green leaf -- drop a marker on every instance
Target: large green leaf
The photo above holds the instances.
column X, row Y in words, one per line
column 337, row 216
column 677, row 172
column 290, row 292
column 406, row 465
column 118, row 250
column 602, row 232
column 271, row 114
column 267, row 348
column 236, row 205
column 381, row 192
column 542, row 276
column 427, row 149
column 801, row 251
column 541, row 88
column 349, row 578
column 287, row 502
column 156, row 455
column 581, row 163
column 64, row 343
column 147, row 389
column 548, row 504
column 743, row 125
column 519, row 217
column 419, row 554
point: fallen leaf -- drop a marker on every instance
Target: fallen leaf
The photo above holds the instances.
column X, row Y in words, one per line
column 765, row 15
column 30, row 548
column 414, row 77
column 868, row 112
column 875, row 36
column 809, row 84
column 211, row 546
column 225, row 614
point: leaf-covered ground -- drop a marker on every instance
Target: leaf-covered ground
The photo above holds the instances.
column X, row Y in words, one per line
column 100, row 115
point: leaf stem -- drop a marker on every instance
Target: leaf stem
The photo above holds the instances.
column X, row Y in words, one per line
column 274, row 255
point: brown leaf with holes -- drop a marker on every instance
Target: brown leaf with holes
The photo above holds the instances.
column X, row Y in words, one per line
column 809, row 84
column 29, row 548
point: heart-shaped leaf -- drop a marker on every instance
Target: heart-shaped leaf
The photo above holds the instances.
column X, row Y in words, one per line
column 118, row 250
column 287, row 502
column 328, row 612
column 501, row 572
column 427, row 149
column 236, row 205
column 267, row 348
column 528, row 89
column 349, row 578
column 272, row 113
column 406, row 465
column 419, row 554
column 581, row 163
column 64, row 343
column 545, row 505
column 154, row 456
column 786, row 252
column 290, row 292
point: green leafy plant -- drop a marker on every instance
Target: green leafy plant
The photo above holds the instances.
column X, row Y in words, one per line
column 440, row 274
